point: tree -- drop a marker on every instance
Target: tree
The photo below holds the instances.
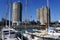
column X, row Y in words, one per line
column 33, row 22
column 38, row 22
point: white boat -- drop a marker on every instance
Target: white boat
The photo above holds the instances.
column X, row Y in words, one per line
column 51, row 34
column 9, row 34
column 55, row 31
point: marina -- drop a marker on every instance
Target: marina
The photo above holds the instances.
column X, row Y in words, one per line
column 21, row 23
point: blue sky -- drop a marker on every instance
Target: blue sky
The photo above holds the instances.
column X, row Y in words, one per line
column 32, row 6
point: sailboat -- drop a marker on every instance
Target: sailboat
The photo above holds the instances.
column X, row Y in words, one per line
column 47, row 35
column 8, row 36
column 9, row 33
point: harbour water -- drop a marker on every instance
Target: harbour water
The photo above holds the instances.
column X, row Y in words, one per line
column 51, row 38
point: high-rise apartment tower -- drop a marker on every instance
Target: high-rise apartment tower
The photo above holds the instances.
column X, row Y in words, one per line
column 16, row 13
column 43, row 15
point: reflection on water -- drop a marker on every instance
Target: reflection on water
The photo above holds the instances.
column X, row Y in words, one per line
column 50, row 39
column 29, row 30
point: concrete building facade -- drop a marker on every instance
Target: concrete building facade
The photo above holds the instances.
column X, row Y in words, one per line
column 16, row 13
column 43, row 15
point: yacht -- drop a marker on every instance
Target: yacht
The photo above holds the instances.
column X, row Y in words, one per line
column 55, row 31
column 9, row 34
column 52, row 34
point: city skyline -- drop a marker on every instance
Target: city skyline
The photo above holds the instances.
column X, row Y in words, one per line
column 32, row 6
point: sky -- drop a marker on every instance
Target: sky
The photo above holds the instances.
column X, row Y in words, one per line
column 32, row 6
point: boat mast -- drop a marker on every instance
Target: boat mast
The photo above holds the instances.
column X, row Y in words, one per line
column 26, row 14
column 47, row 3
column 10, row 11
column 7, row 10
column 47, row 25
